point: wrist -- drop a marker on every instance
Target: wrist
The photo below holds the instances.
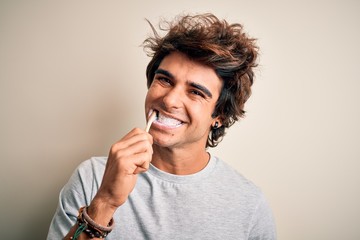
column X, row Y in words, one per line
column 100, row 211
column 87, row 225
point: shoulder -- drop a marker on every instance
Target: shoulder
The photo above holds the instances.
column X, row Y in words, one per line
column 249, row 199
column 94, row 166
column 242, row 192
column 86, row 178
column 230, row 176
column 90, row 169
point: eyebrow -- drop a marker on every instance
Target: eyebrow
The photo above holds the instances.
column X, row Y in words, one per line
column 164, row 72
column 192, row 84
column 201, row 88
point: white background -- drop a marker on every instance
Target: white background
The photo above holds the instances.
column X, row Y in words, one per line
column 72, row 82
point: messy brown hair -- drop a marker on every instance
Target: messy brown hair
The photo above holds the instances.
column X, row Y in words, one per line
column 216, row 43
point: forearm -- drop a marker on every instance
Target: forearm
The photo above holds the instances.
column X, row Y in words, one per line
column 127, row 158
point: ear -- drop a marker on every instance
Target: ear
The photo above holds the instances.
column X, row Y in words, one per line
column 216, row 123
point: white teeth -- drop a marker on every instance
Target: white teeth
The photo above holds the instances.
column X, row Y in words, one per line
column 167, row 121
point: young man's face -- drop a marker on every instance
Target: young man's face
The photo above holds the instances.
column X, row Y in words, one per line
column 184, row 94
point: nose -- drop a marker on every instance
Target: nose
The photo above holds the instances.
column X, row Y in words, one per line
column 173, row 98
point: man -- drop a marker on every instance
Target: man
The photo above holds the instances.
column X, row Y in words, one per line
column 163, row 184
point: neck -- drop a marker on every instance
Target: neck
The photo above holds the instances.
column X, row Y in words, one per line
column 180, row 161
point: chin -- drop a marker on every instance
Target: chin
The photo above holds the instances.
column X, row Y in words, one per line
column 164, row 142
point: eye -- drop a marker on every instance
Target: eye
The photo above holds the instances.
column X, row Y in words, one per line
column 198, row 93
column 163, row 80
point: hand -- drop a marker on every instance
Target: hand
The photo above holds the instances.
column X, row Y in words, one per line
column 128, row 157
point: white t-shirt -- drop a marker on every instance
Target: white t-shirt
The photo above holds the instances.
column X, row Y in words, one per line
column 215, row 203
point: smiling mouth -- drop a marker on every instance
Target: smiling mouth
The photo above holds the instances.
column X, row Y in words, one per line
column 167, row 121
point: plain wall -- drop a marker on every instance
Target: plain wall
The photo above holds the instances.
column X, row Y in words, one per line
column 72, row 82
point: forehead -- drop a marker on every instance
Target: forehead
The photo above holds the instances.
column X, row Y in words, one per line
column 184, row 69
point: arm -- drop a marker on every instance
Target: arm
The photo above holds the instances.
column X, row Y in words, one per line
column 128, row 157
column 262, row 226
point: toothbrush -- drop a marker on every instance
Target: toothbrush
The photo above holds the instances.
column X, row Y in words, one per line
column 152, row 118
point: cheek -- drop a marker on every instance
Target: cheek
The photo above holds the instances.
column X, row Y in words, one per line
column 150, row 93
column 148, row 99
column 153, row 90
column 201, row 112
column 153, row 95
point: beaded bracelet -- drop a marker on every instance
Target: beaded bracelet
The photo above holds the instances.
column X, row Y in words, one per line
column 90, row 227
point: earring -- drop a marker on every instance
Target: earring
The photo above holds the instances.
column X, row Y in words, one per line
column 216, row 125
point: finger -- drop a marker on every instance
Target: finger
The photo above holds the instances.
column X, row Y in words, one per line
column 130, row 140
column 137, row 147
column 129, row 157
column 142, row 162
column 140, row 170
column 130, row 165
column 133, row 132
